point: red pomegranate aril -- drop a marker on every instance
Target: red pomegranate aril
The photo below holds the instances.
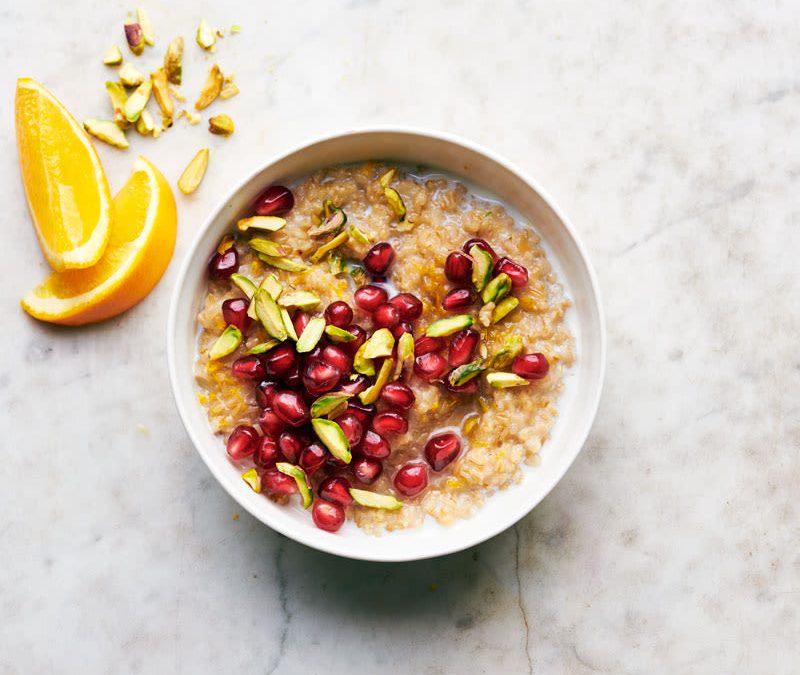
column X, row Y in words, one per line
column 268, row 452
column 337, row 357
column 408, row 306
column 430, row 366
column 352, row 428
column 427, row 344
column 291, row 408
column 370, row 297
column 469, row 387
column 398, row 395
column 516, row 272
column 366, row 470
column 355, row 387
column 265, row 390
column 280, row 360
column 277, row 483
column 337, row 490
column 290, row 445
column 531, row 366
column 480, row 243
column 234, row 313
column 375, row 446
column 276, row 200
column 300, row 321
column 389, row 423
column 379, row 257
column 442, row 449
column 462, row 347
column 327, row 515
column 361, row 337
column 458, row 298
column 270, row 423
column 222, row 265
column 402, row 327
column 458, row 267
column 312, row 458
column 293, row 379
column 320, row 377
column 249, row 368
column 339, row 314
column 363, row 412
column 242, row 442
column 411, row 479
column 386, row 316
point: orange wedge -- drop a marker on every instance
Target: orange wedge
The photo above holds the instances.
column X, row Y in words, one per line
column 64, row 181
column 138, row 252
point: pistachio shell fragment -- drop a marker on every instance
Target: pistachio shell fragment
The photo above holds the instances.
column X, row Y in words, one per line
column 226, row 343
column 107, row 131
column 269, row 314
column 118, row 96
column 449, row 325
column 266, row 247
column 148, row 33
column 332, row 437
column 504, row 308
column 253, row 479
column 173, row 61
column 268, row 223
column 244, row 284
column 288, row 324
column 300, row 478
column 329, row 246
column 505, row 380
column 405, row 354
column 113, row 57
column 211, row 88
column 371, row 394
column 512, row 346
column 161, row 93
column 336, row 334
column 380, row 343
column 396, row 202
column 311, row 335
column 263, row 347
column 374, row 500
column 193, row 174
column 332, row 223
column 138, row 100
column 145, row 124
column 496, row 289
column 221, row 125
column 329, row 405
column 229, row 90
column 465, row 373
column 205, row 36
column 130, row 76
column 358, row 235
column 299, row 299
column 134, row 37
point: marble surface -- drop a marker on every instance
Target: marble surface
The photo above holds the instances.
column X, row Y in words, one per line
column 667, row 130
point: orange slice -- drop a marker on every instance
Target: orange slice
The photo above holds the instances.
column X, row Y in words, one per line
column 138, row 252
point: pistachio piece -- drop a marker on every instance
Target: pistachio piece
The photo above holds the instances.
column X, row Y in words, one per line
column 374, row 500
column 243, row 284
column 496, row 289
column 225, row 244
column 288, row 324
column 311, row 335
column 405, row 355
column 380, row 343
column 161, row 92
column 328, row 208
column 300, row 478
column 229, row 90
column 330, row 405
column 269, row 315
column 371, row 394
column 193, row 173
column 253, row 479
column 465, row 373
column 118, row 96
column 336, row 334
column 332, row 437
column 512, row 346
column 387, row 178
column 299, row 299
column 235, row 28
column 329, row 246
column 176, row 94
column 361, row 364
column 504, row 307
column 221, row 125
column 332, row 223
column 263, row 347
column 173, row 61
column 396, row 202
column 113, row 57
column 106, row 131
column 148, row 33
column 191, row 118
column 137, row 101
column 271, row 284
column 485, row 314
column 226, row 343
column 205, row 36
column 211, row 88
column 266, row 247
column 481, row 267
column 145, row 124
column 130, row 76
column 449, row 325
column 505, row 380
column 269, row 223
column 358, row 235
column 134, row 37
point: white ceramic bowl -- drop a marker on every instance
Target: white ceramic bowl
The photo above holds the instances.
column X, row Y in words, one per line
column 577, row 405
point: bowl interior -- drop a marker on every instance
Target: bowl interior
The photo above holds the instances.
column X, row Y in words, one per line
column 577, row 405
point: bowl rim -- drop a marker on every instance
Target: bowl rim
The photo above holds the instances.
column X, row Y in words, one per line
column 329, row 544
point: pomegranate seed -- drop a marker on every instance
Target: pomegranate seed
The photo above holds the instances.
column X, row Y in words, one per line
column 462, row 347
column 398, row 395
column 327, row 515
column 294, row 378
column 427, row 344
column 265, row 390
column 480, row 243
column 386, row 316
column 234, row 313
column 290, row 445
column 222, row 265
column 355, row 387
column 389, row 423
column 379, row 279
column 242, row 442
column 402, row 327
column 370, row 297
column 361, row 337
column 379, row 257
column 408, row 306
column 312, row 458
column 458, row 298
column 375, row 446
column 411, row 479
column 363, row 412
column 270, row 423
column 277, row 483
column 268, row 452
column 531, row 366
column 458, row 267
column 469, row 387
column 366, row 470
column 430, row 366
column 280, row 360
column 291, row 408
column 276, row 200
column 337, row 357
column 337, row 490
column 442, row 449
column 352, row 428
column 319, row 377
column 516, row 272
column 300, row 321
column 249, row 368
column 339, row 314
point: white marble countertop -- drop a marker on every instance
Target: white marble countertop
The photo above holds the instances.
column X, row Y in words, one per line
column 666, row 130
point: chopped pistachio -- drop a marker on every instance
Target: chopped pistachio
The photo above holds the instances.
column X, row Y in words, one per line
column 148, row 33
column 396, row 202
column 511, row 348
column 332, row 437
column 300, row 478
column 191, row 117
column 205, row 36
column 226, row 343
column 222, row 125
column 405, row 354
column 235, row 28
column 211, row 88
column 173, row 61
column 282, row 263
column 358, row 235
column 176, row 94
column 332, row 223
column 505, row 380
column 288, row 324
column 134, row 37
column 113, row 57
column 253, row 479
column 118, row 96
column 311, row 335
column 193, row 173
column 371, row 394
column 330, row 405
column 481, row 267
column 229, row 90
column 363, row 365
column 496, row 289
column 299, row 299
column 137, row 101
column 269, row 314
column 336, row 334
column 387, row 178
column 268, row 223
column 465, row 373
column 157, row 131
column 243, row 284
column 375, row 500
column 380, row 343
column 504, row 307
column 145, row 124
column 107, row 131
column 449, row 325
column 130, row 76
column 485, row 314
column 266, row 247
column 337, row 241
column 271, row 284
column 161, row 92
column 263, row 347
